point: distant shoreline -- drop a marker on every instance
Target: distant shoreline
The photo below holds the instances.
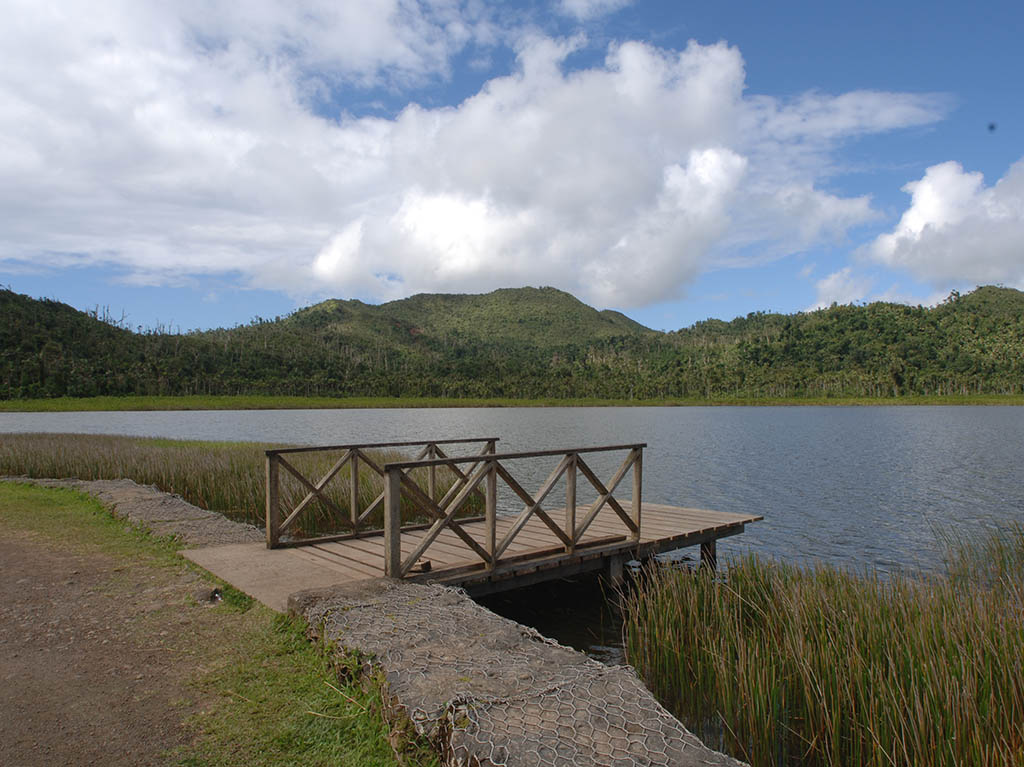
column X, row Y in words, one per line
column 254, row 402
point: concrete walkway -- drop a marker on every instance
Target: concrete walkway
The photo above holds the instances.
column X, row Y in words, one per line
column 488, row 690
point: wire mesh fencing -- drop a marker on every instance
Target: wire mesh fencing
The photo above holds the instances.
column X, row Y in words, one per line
column 490, row 691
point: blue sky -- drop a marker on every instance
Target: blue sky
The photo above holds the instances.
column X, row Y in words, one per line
column 197, row 164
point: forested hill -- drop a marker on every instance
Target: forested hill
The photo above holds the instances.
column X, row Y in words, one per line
column 540, row 317
column 525, row 342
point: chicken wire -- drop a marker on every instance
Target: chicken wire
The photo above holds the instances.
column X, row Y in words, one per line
column 490, row 691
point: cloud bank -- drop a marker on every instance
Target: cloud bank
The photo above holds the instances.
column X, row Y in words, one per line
column 958, row 230
column 189, row 139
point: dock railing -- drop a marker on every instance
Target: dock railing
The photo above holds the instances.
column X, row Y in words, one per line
column 488, row 469
column 354, row 518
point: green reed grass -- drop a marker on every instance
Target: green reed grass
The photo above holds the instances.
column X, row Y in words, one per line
column 228, row 477
column 821, row 666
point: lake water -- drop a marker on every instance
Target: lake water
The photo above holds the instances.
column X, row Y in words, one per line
column 850, row 485
column 854, row 486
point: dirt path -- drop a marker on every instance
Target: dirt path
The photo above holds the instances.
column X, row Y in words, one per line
column 91, row 665
column 97, row 649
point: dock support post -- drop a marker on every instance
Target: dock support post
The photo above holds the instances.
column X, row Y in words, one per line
column 570, row 504
column 614, row 569
column 273, row 502
column 393, row 523
column 638, row 482
column 709, row 555
column 491, row 511
column 353, row 490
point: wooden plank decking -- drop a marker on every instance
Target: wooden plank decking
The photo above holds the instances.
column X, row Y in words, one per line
column 271, row 575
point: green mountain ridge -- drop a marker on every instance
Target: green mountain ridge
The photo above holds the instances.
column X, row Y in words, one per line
column 523, row 343
column 541, row 316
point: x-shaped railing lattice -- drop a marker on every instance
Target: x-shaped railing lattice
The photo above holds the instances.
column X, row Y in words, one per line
column 487, row 469
column 279, row 521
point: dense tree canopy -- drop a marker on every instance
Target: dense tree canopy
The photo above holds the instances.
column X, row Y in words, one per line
column 523, row 343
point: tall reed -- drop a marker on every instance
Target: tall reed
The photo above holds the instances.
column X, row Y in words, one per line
column 228, row 477
column 825, row 667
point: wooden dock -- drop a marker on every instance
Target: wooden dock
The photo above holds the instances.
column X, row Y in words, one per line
column 485, row 554
column 271, row 575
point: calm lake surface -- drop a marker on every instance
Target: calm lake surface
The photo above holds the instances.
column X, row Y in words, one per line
column 857, row 486
column 854, row 486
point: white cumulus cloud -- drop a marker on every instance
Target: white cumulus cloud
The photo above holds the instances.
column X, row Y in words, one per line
column 841, row 287
column 183, row 139
column 583, row 10
column 957, row 230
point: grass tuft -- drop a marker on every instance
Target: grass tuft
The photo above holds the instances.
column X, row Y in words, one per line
column 281, row 698
column 822, row 666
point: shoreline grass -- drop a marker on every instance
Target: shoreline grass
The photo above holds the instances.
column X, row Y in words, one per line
column 259, row 402
column 226, row 477
column 822, row 666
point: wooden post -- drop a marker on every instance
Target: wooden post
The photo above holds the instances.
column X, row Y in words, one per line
column 393, row 523
column 491, row 447
column 491, row 511
column 570, row 504
column 615, row 570
column 638, row 481
column 431, row 474
column 709, row 555
column 273, row 502
column 353, row 490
